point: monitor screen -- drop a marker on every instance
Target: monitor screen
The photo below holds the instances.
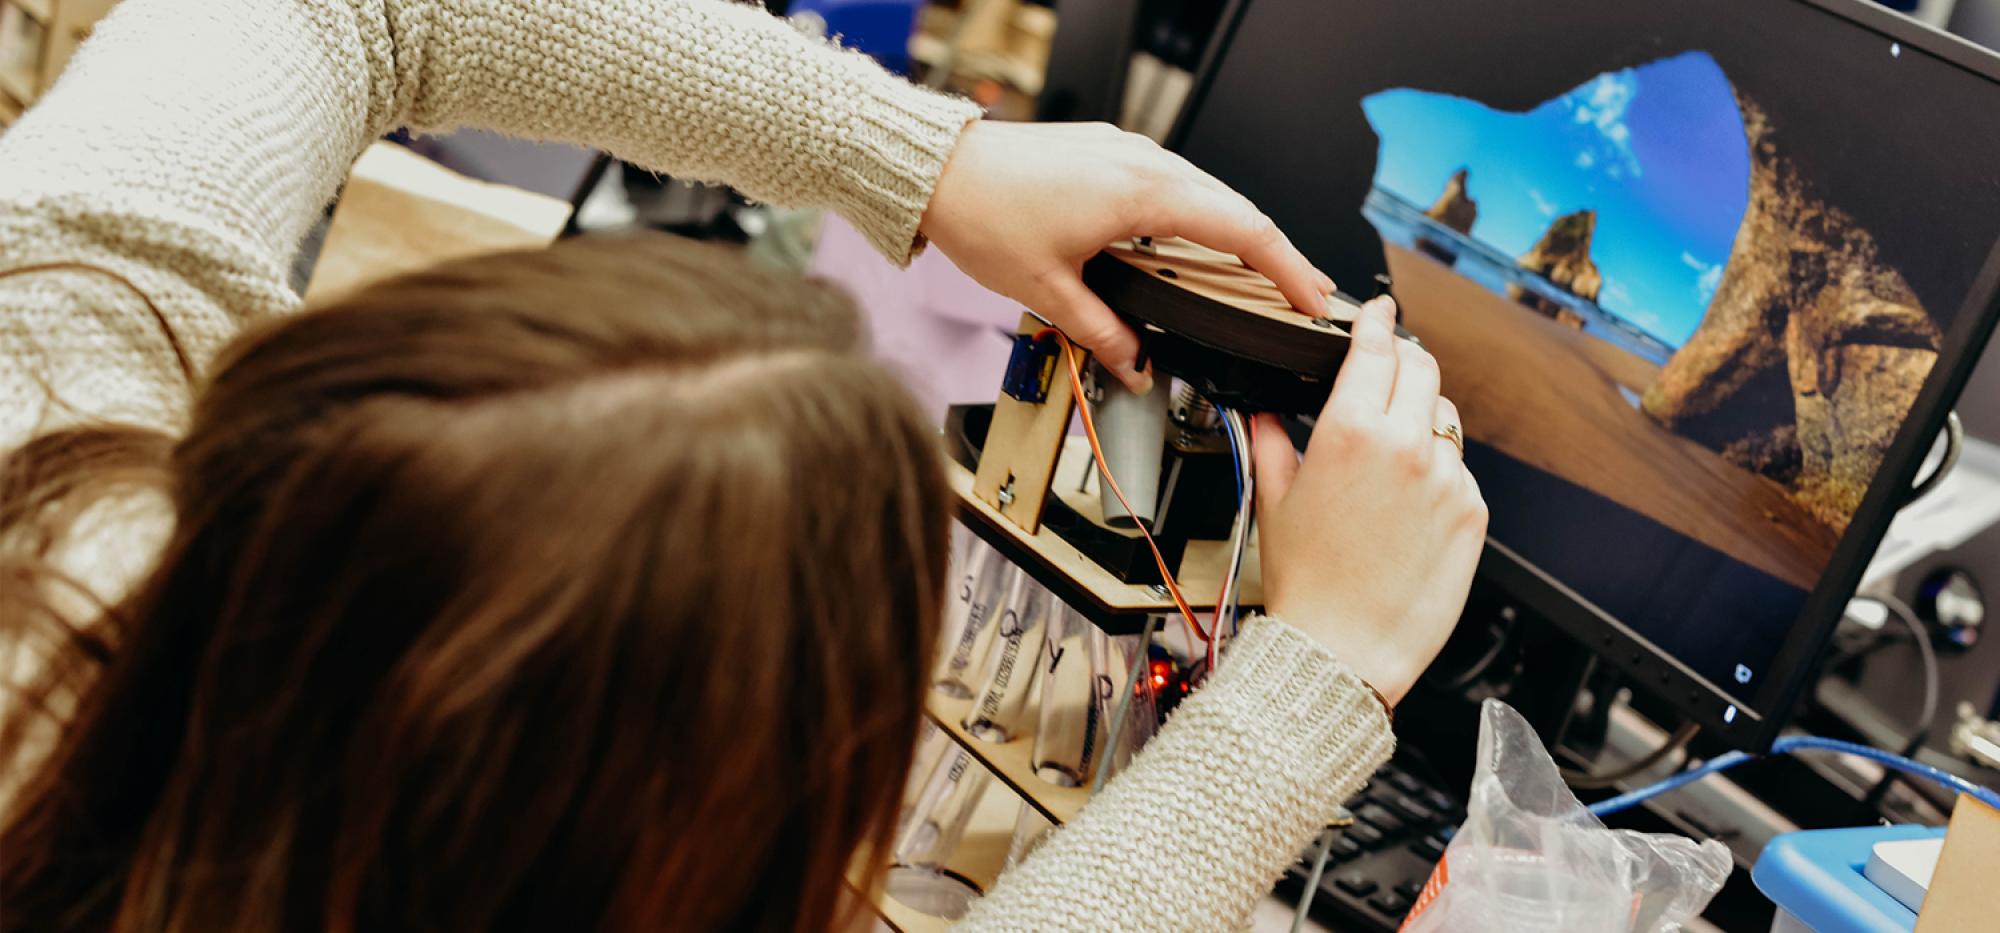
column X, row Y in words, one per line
column 1687, row 268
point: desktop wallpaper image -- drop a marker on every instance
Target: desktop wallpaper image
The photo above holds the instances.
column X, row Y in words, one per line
column 1670, row 334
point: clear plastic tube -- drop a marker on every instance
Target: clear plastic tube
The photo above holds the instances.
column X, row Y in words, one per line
column 1127, row 702
column 932, row 832
column 942, row 810
column 980, row 587
column 932, row 745
column 1031, row 828
column 1069, row 736
column 1002, row 710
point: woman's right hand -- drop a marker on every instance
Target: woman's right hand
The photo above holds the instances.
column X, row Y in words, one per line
column 1369, row 543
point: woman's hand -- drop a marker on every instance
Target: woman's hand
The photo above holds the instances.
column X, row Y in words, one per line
column 1369, row 543
column 1021, row 206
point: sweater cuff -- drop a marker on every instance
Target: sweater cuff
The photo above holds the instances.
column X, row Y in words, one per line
column 1322, row 714
column 899, row 143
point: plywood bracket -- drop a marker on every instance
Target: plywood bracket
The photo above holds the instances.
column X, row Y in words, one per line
column 1018, row 461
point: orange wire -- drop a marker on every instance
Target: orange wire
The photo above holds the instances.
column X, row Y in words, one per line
column 1097, row 453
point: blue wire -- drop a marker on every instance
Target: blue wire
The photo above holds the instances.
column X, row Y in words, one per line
column 1235, row 452
column 1236, row 597
column 1236, row 448
column 1604, row 808
column 1795, row 743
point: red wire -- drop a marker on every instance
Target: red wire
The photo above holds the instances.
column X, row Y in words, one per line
column 1097, row 453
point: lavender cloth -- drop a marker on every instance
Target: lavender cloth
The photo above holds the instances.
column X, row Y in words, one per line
column 941, row 331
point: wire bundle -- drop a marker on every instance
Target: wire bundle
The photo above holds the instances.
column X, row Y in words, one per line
column 1236, row 430
column 1229, row 603
column 1070, row 356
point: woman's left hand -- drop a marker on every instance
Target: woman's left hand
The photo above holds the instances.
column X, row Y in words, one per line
column 1021, row 206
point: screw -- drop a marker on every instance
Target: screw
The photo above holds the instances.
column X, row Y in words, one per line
column 1007, row 493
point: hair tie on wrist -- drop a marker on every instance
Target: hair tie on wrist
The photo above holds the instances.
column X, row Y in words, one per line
column 1387, row 710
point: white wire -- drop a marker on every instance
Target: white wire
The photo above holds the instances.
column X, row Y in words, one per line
column 1239, row 534
column 1920, row 638
column 1318, row 871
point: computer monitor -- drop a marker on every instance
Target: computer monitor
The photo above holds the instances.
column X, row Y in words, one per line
column 1703, row 278
column 1088, row 58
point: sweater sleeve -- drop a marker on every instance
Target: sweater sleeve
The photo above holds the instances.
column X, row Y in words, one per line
column 192, row 143
column 249, row 112
column 702, row 89
column 1207, row 816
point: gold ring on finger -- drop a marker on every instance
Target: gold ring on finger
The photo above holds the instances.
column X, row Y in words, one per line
column 1452, row 433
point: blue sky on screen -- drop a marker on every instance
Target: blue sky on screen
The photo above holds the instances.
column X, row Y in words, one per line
column 1657, row 150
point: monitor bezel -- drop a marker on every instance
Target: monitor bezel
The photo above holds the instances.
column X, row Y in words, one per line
column 1749, row 722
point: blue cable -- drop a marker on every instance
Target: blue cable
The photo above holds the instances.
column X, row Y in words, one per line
column 1787, row 745
column 1236, row 449
column 1235, row 452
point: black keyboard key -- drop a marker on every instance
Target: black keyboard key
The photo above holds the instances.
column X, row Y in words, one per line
column 1406, row 783
column 1355, row 883
column 1445, row 832
column 1391, row 903
column 1441, row 801
column 1412, row 809
column 1379, row 817
column 1410, row 889
column 1429, row 848
column 1343, row 849
column 1368, row 836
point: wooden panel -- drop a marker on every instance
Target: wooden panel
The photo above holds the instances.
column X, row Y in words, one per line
column 1205, row 318
column 904, row 920
column 23, row 43
column 1011, row 762
column 1202, row 564
column 10, row 109
column 18, row 86
column 1961, row 894
column 80, row 14
column 401, row 212
column 979, row 859
column 1023, row 443
column 41, row 10
column 1117, row 607
column 70, row 23
column 1219, row 277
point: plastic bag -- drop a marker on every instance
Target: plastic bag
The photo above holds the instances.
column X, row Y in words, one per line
column 1530, row 857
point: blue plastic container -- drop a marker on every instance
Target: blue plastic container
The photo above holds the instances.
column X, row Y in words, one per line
column 1815, row 878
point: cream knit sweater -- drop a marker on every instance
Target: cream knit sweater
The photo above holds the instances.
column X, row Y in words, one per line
column 193, row 142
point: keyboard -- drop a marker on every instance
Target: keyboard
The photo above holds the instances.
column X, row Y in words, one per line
column 1377, row 866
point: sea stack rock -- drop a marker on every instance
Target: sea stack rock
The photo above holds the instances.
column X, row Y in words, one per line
column 1812, row 350
column 1563, row 257
column 1455, row 208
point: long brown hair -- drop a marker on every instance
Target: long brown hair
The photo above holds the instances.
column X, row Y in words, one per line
column 590, row 588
